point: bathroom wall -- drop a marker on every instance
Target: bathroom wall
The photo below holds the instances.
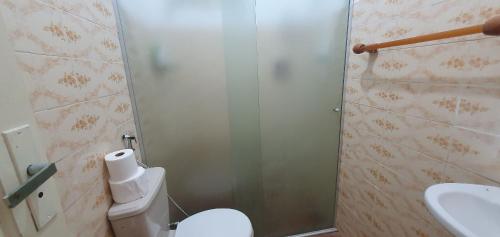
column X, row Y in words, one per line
column 70, row 55
column 416, row 115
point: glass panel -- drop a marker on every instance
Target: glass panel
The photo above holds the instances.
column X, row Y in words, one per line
column 243, row 91
column 176, row 58
column 301, row 57
column 235, row 98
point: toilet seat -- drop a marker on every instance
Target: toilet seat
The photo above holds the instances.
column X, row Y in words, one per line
column 215, row 223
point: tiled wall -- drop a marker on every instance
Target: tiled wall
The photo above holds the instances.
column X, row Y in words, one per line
column 416, row 115
column 70, row 53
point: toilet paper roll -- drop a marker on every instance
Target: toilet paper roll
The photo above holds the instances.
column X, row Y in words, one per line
column 121, row 165
column 131, row 189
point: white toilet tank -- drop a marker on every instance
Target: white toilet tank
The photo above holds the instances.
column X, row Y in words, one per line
column 148, row 216
column 145, row 217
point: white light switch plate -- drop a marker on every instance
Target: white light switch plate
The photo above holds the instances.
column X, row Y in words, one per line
column 22, row 150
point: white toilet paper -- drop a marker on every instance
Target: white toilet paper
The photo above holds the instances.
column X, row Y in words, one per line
column 121, row 165
column 126, row 179
column 132, row 189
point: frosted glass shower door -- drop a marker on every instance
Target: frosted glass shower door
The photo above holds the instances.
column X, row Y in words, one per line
column 237, row 100
column 301, row 48
column 175, row 53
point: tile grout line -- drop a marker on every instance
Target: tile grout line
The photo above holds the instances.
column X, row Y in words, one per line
column 67, row 156
column 400, row 114
column 451, row 124
column 431, row 156
column 68, row 12
column 68, row 57
column 78, row 102
column 422, row 81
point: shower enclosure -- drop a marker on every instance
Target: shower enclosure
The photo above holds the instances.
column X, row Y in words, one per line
column 239, row 100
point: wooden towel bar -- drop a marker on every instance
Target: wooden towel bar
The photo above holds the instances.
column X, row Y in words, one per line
column 491, row 27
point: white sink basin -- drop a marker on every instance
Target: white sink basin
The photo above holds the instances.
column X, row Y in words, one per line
column 466, row 209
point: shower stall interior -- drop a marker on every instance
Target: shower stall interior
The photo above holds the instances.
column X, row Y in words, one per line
column 239, row 100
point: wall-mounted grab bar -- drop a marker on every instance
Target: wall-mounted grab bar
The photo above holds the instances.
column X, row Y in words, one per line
column 491, row 27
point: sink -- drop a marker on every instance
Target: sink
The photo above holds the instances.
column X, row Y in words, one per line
column 466, row 209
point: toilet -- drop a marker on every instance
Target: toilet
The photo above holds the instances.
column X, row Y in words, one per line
column 149, row 216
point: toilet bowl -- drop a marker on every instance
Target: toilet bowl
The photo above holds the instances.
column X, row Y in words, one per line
column 149, row 216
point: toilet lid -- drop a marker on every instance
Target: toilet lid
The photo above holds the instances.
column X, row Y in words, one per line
column 215, row 223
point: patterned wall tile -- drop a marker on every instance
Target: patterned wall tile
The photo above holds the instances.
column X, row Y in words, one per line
column 87, row 217
column 59, row 81
column 478, row 109
column 476, row 152
column 79, row 173
column 97, row 11
column 100, row 12
column 460, row 175
column 42, row 29
column 456, row 63
column 70, row 51
column 70, row 128
column 434, row 102
column 120, row 109
column 345, row 221
column 418, row 134
column 400, row 19
column 416, row 115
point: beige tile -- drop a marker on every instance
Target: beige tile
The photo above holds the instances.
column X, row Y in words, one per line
column 428, row 101
column 403, row 175
column 64, row 5
column 348, row 223
column 403, row 106
column 70, row 128
column 384, row 213
column 416, row 227
column 479, row 110
column 87, row 217
column 469, row 62
column 58, row 81
column 418, row 134
column 476, row 152
column 43, row 29
column 120, row 109
column 78, row 173
column 28, row 24
column 100, row 12
column 107, row 46
column 456, row 174
column 381, row 21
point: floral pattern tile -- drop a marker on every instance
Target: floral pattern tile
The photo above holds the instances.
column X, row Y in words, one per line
column 40, row 28
column 433, row 102
column 70, row 128
column 59, row 81
column 79, row 173
column 476, row 152
column 99, row 12
column 478, row 109
column 455, row 63
column 416, row 115
column 70, row 54
column 88, row 216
